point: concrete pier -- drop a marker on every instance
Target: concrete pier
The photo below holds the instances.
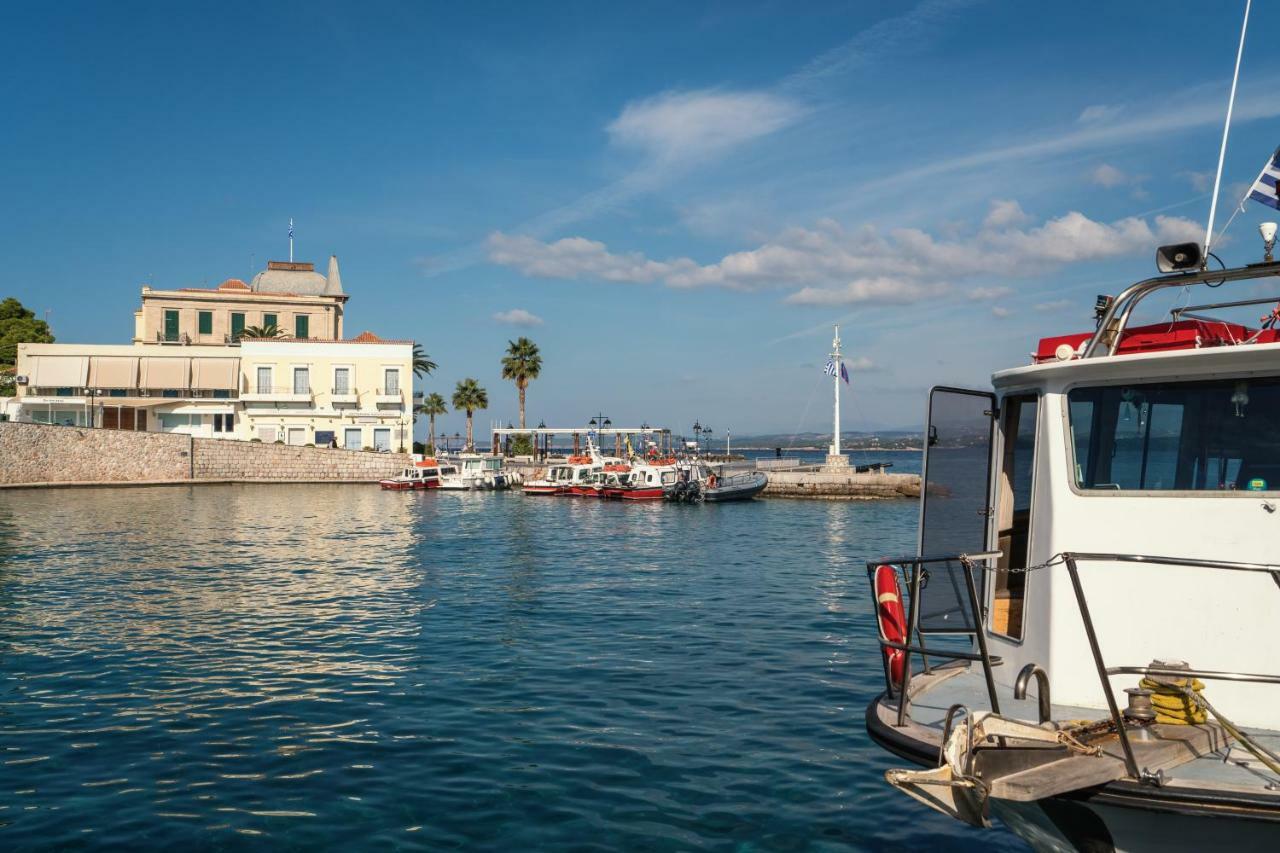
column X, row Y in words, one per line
column 841, row 485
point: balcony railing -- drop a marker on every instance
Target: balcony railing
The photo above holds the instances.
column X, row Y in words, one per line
column 278, row 393
column 389, row 395
column 108, row 394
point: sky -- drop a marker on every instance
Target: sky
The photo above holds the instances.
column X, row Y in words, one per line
column 675, row 201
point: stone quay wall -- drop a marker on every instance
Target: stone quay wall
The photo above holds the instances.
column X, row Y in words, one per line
column 219, row 459
column 39, row 454
column 841, row 485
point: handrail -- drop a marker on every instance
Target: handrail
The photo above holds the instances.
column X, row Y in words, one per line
column 1112, row 327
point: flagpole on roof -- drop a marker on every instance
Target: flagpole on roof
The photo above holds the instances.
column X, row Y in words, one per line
column 835, row 378
column 290, row 239
column 1226, row 129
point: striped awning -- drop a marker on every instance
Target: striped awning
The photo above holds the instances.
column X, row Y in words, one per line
column 59, row 371
column 113, row 371
column 164, row 373
column 215, row 374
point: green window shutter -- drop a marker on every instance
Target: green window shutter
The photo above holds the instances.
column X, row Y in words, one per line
column 206, row 322
column 237, row 326
column 170, row 325
column 302, row 326
column 269, row 320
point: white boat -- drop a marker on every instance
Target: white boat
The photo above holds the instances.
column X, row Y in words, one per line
column 477, row 472
column 1100, row 527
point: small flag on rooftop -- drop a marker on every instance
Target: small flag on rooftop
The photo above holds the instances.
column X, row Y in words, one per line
column 1264, row 189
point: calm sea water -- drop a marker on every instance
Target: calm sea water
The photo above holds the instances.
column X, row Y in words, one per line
column 293, row 667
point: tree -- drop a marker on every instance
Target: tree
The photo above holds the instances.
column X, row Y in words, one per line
column 432, row 406
column 18, row 325
column 422, row 363
column 268, row 331
column 470, row 398
column 521, row 364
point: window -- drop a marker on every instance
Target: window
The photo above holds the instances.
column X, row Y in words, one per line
column 206, row 323
column 351, row 438
column 269, row 320
column 1215, row 435
column 224, row 423
column 221, row 394
column 301, row 380
column 267, row 434
column 237, row 326
column 171, row 422
column 301, row 326
column 170, row 325
column 64, row 392
column 264, row 380
column 1013, row 514
column 381, row 439
column 342, row 380
column 391, row 381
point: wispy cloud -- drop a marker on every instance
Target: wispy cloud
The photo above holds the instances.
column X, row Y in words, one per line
column 1106, row 175
column 518, row 317
column 1097, row 113
column 831, row 265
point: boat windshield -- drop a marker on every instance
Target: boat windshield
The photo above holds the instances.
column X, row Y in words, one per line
column 1218, row 435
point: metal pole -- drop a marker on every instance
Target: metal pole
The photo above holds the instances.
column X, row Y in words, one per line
column 1130, row 762
column 980, row 635
column 1226, row 129
column 913, row 617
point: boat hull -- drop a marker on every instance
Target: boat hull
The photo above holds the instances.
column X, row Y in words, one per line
column 654, row 494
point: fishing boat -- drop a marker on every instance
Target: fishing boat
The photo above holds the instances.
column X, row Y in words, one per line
column 697, row 482
column 1083, row 644
column 424, row 474
column 476, row 472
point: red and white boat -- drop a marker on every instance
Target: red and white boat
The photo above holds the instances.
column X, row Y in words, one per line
column 560, row 479
column 421, row 475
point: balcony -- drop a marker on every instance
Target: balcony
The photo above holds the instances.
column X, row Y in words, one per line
column 277, row 394
column 389, row 397
column 345, row 395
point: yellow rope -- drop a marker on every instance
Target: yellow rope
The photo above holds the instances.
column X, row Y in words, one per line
column 1172, row 704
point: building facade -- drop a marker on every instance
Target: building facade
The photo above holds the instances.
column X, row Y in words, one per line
column 308, row 388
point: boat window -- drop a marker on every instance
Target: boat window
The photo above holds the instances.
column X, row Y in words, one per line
column 1013, row 514
column 1218, row 435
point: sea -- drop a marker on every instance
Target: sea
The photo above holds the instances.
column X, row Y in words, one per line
column 337, row 667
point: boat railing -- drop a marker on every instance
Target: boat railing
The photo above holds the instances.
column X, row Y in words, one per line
column 913, row 569
column 1116, row 316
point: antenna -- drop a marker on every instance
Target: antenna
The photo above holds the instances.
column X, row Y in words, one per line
column 1226, row 129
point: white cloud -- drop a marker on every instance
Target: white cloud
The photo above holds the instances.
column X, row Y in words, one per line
column 1004, row 213
column 861, row 364
column 679, row 126
column 830, row 265
column 1108, row 176
column 1055, row 305
column 1097, row 113
column 1000, row 311
column 1200, row 181
column 518, row 317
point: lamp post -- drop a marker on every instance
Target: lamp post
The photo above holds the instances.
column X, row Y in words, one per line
column 542, row 438
column 600, row 422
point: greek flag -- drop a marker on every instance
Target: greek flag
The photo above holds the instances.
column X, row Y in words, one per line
column 290, row 229
column 844, row 374
column 1264, row 189
column 830, row 369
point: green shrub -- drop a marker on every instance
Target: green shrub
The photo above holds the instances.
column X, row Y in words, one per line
column 279, row 441
column 522, row 445
column 258, row 440
column 367, row 447
column 309, row 444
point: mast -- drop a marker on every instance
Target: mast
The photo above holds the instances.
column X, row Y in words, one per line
column 835, row 358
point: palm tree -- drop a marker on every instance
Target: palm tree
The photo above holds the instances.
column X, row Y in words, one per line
column 268, row 331
column 432, row 406
column 469, row 397
column 521, row 364
column 422, row 363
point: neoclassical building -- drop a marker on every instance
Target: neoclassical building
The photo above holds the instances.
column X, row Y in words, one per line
column 195, row 367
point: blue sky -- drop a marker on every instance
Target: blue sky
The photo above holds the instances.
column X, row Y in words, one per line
column 674, row 200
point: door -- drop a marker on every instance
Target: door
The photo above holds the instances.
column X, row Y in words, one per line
column 954, row 502
column 301, row 380
column 264, row 380
column 351, row 438
column 1013, row 513
column 297, row 436
column 382, row 439
column 237, row 326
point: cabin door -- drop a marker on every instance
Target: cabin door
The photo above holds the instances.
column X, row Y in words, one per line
column 954, row 502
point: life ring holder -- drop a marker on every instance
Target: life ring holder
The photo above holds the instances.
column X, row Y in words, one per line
column 892, row 624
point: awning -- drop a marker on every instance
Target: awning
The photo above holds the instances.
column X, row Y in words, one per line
column 59, row 371
column 215, row 374
column 113, row 371
column 164, row 373
column 199, row 409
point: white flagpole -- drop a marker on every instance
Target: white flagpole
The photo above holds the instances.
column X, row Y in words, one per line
column 291, row 237
column 1226, row 129
column 835, row 439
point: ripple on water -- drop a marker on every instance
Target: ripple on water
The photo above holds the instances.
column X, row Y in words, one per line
column 335, row 665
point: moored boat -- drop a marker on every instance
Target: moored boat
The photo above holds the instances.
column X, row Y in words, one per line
column 1099, row 526
column 424, row 474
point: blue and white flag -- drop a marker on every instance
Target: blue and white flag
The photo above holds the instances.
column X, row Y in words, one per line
column 844, row 374
column 290, row 229
column 1264, row 189
column 830, row 369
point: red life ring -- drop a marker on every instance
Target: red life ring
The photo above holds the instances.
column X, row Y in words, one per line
column 893, row 623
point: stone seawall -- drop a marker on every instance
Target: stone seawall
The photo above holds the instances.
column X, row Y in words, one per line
column 38, row 454
column 841, row 486
column 216, row 459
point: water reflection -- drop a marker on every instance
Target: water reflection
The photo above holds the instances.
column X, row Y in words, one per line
column 340, row 666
